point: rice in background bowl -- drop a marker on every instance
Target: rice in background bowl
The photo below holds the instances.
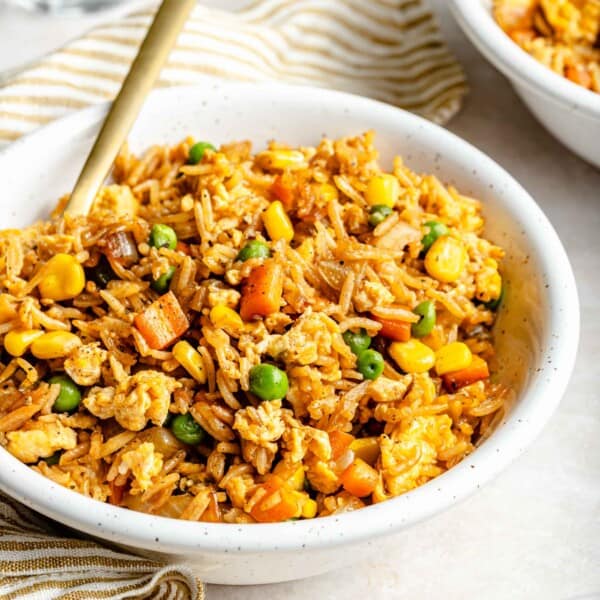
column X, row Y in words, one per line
column 266, row 552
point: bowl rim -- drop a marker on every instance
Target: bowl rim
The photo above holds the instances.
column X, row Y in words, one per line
column 479, row 25
column 521, row 427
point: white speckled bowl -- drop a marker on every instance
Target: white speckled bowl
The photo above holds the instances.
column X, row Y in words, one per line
column 537, row 330
column 570, row 112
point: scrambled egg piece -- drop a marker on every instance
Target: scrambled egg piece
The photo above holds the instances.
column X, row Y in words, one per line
column 115, row 200
column 136, row 400
column 84, row 365
column 100, row 402
column 144, row 464
column 384, row 389
column 408, row 458
column 239, row 488
column 370, row 294
column 298, row 439
column 223, row 296
column 311, row 336
column 313, row 447
column 320, row 475
column 262, row 425
column 310, row 349
column 40, row 440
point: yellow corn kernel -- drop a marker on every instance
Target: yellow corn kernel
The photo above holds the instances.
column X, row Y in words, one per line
column 446, row 259
column 452, row 357
column 8, row 310
column 292, row 474
column 280, row 160
column 190, row 360
column 17, row 342
column 55, row 344
column 309, row 509
column 328, row 192
column 366, row 449
column 222, row 316
column 412, row 356
column 63, row 278
column 305, row 505
column 382, row 189
column 277, row 223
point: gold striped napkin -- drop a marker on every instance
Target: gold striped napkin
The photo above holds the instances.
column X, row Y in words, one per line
column 37, row 562
column 391, row 50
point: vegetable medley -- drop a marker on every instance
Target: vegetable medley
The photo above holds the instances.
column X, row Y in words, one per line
column 238, row 337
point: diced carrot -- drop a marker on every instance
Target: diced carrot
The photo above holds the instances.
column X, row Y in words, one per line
column 340, row 442
column 183, row 247
column 579, row 75
column 399, row 331
column 283, row 191
column 261, row 294
column 522, row 36
column 476, row 371
column 359, row 478
column 162, row 322
column 212, row 514
column 277, row 504
column 116, row 493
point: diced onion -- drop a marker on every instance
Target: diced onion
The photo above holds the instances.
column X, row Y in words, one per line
column 122, row 248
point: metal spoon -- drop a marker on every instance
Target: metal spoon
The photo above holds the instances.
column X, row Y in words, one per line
column 153, row 53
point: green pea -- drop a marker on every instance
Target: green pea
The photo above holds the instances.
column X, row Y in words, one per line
column 186, row 430
column 436, row 230
column 423, row 327
column 52, row 459
column 370, row 364
column 268, row 382
column 161, row 284
column 163, row 236
column 358, row 341
column 378, row 214
column 69, row 396
column 254, row 249
column 102, row 273
column 197, row 152
column 496, row 302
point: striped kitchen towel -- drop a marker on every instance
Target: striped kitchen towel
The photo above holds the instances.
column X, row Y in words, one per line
column 391, row 50
column 37, row 562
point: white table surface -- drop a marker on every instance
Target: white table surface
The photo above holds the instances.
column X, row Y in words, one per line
column 534, row 533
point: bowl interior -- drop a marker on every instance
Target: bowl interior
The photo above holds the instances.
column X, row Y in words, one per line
column 540, row 305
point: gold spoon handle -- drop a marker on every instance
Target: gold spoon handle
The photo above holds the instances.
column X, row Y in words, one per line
column 153, row 53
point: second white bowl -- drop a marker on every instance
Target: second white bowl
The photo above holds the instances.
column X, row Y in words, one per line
column 570, row 112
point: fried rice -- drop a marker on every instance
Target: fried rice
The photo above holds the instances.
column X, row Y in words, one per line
column 564, row 35
column 338, row 428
